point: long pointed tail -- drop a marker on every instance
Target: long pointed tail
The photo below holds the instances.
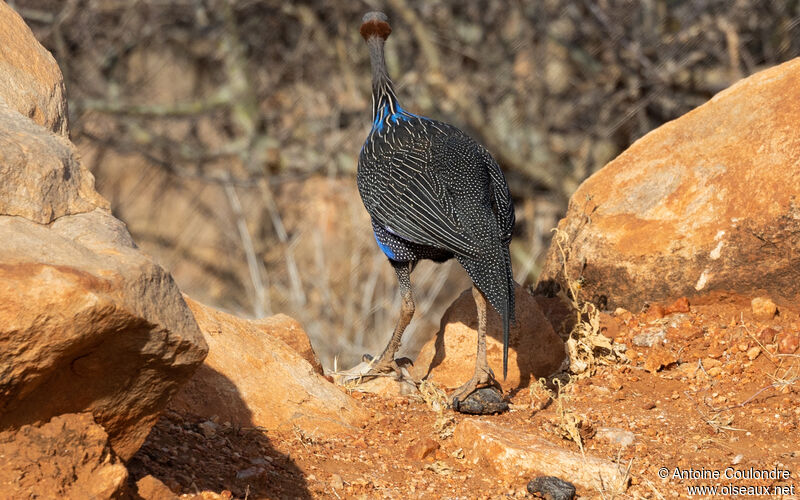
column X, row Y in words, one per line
column 508, row 313
column 506, row 327
column 493, row 277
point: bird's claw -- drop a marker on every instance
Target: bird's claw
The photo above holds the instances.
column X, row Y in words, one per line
column 380, row 367
column 483, row 377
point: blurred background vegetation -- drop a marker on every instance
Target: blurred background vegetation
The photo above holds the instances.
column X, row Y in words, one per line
column 225, row 133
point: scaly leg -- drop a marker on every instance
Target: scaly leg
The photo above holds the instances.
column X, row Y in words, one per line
column 483, row 374
column 385, row 362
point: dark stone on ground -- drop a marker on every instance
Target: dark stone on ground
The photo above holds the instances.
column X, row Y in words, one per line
column 551, row 488
column 483, row 401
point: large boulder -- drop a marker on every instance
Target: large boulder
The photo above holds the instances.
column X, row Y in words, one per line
column 251, row 378
column 710, row 201
column 67, row 457
column 87, row 321
column 534, row 348
column 30, row 80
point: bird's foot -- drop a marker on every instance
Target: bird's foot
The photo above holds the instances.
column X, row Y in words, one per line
column 384, row 366
column 370, row 368
column 481, row 395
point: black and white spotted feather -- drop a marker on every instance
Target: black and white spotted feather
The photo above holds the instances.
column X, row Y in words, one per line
column 434, row 193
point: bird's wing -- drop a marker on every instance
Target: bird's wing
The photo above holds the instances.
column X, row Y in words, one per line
column 417, row 207
column 503, row 204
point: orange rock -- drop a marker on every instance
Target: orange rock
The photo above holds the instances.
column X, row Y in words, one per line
column 88, row 322
column 653, row 313
column 422, row 449
column 788, row 343
column 151, row 488
column 291, row 331
column 671, row 216
column 684, row 333
column 68, row 457
column 517, row 456
column 681, row 305
column 763, row 308
column 609, row 325
column 43, row 180
column 251, row 379
column 767, row 335
column 449, row 357
column 30, row 82
column 623, row 315
column 659, row 358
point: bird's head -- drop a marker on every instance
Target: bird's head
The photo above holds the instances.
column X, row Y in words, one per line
column 375, row 24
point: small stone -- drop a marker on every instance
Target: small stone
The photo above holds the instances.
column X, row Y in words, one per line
column 484, row 401
column 654, row 312
column 620, row 437
column 608, row 325
column 650, row 337
column 336, row 482
column 679, row 306
column 788, row 343
column 737, row 459
column 659, row 358
column 208, row 428
column 422, row 449
column 687, row 369
column 763, row 308
column 753, row 353
column 152, row 488
column 249, row 473
column 551, row 487
column 767, row 335
column 623, row 315
column 648, row 405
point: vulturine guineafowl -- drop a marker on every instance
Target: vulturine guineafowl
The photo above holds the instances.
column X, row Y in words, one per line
column 434, row 193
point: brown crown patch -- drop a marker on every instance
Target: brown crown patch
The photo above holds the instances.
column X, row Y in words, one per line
column 375, row 27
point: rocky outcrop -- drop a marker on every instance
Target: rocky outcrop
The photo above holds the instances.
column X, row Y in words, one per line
column 252, row 378
column 68, row 457
column 534, row 348
column 87, row 321
column 30, row 80
column 710, row 201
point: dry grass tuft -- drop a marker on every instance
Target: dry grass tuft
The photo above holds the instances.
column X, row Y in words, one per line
column 586, row 346
column 435, row 397
column 569, row 424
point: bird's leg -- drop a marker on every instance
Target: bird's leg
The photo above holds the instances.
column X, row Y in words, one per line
column 385, row 363
column 483, row 374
